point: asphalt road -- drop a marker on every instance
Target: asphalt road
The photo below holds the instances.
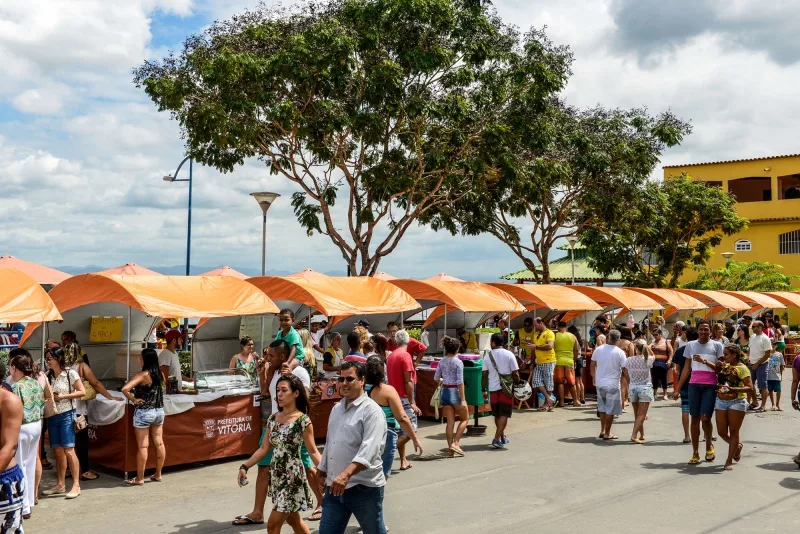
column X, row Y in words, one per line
column 555, row 476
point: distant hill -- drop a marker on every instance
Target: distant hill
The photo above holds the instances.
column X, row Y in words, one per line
column 181, row 269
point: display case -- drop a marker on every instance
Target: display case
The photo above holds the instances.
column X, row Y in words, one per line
column 228, row 381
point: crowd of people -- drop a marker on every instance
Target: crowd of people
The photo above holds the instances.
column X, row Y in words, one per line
column 719, row 372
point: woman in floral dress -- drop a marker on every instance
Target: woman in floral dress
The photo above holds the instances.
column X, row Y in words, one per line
column 288, row 430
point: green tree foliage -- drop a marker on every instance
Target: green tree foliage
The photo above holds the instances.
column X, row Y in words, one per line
column 552, row 172
column 380, row 111
column 743, row 276
column 652, row 236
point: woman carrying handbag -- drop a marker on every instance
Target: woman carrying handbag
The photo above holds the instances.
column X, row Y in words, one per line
column 67, row 389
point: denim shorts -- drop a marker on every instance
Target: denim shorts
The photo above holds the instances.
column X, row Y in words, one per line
column 410, row 413
column 685, row 403
column 147, row 418
column 451, row 397
column 740, row 405
column 61, row 430
column 641, row 394
column 761, row 376
column 774, row 386
column 609, row 400
column 388, row 451
column 702, row 399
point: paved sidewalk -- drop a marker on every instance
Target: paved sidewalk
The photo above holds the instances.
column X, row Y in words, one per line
column 555, row 476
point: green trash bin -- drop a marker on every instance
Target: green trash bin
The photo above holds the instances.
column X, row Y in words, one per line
column 472, row 382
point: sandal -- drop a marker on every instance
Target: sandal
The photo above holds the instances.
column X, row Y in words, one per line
column 637, row 440
column 153, row 478
column 134, row 482
column 687, row 440
column 316, row 515
column 695, row 460
column 88, row 476
column 710, row 455
column 738, row 453
column 612, row 436
column 54, row 491
column 456, row 451
column 245, row 520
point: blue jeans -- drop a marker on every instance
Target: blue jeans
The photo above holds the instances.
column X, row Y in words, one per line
column 62, row 433
column 389, row 450
column 365, row 502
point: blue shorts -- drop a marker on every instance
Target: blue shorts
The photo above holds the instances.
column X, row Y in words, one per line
column 702, row 398
column 761, row 376
column 774, row 385
column 147, row 418
column 685, row 403
column 641, row 394
column 740, row 405
column 451, row 397
column 61, row 430
column 410, row 413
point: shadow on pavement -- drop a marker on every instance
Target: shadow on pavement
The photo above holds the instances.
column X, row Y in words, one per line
column 705, row 468
column 594, row 440
column 790, row 483
column 779, row 466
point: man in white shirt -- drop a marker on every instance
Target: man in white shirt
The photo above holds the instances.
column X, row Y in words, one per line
column 760, row 350
column 607, row 368
column 702, row 356
column 168, row 359
column 500, row 362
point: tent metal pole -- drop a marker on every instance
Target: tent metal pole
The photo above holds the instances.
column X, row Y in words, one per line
column 402, row 321
column 128, row 364
column 44, row 342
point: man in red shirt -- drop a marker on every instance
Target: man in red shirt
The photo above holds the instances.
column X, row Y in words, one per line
column 402, row 375
column 415, row 348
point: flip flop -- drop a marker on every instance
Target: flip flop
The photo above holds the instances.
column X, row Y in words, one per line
column 154, row 479
column 245, row 520
column 316, row 515
column 687, row 440
column 132, row 482
column 711, row 455
column 95, row 477
column 456, row 451
column 612, row 436
column 636, row 440
column 728, row 468
column 601, row 436
column 738, row 453
column 406, row 468
column 695, row 460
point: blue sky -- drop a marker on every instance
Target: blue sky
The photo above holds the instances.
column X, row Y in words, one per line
column 82, row 151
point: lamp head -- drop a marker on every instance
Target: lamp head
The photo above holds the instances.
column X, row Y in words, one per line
column 169, row 178
column 264, row 199
column 572, row 240
column 727, row 255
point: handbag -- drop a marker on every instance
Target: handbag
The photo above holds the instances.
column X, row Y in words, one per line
column 91, row 393
column 49, row 401
column 436, row 399
column 80, row 422
column 506, row 381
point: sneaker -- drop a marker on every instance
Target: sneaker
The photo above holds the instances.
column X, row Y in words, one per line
column 505, row 440
column 498, row 444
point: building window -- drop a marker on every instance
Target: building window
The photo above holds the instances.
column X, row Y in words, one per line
column 789, row 243
column 789, row 186
column 751, row 189
column 743, row 245
column 714, row 183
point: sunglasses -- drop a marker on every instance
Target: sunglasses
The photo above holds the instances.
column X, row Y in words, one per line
column 348, row 379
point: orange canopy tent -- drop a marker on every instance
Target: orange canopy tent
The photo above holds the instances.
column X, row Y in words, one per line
column 22, row 299
column 673, row 301
column 757, row 301
column 43, row 275
column 138, row 302
column 788, row 298
column 384, row 276
column 619, row 296
column 226, row 271
column 130, row 269
column 550, row 296
column 718, row 303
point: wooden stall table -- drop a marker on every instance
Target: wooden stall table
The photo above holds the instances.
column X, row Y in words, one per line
column 425, row 389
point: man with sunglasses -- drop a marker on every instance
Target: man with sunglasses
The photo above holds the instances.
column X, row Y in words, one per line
column 351, row 470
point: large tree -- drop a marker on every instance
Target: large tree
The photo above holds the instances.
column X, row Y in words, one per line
column 743, row 276
column 661, row 230
column 380, row 111
column 542, row 178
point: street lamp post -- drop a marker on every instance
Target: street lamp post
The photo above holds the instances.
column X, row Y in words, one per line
column 727, row 256
column 265, row 200
column 174, row 178
column 572, row 240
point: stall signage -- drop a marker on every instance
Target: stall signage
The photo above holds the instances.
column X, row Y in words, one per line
column 225, row 427
column 105, row 330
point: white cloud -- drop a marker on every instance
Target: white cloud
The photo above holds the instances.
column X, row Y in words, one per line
column 82, row 171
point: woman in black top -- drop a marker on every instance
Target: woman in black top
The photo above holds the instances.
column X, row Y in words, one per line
column 148, row 416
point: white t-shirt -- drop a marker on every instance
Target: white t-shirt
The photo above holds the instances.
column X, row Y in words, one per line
column 299, row 372
column 760, row 345
column 711, row 351
column 609, row 360
column 167, row 358
column 153, row 337
column 506, row 364
column 317, row 338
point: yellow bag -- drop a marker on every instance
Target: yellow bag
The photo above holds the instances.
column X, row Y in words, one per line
column 91, row 394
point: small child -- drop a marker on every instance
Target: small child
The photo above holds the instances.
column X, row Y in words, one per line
column 775, row 366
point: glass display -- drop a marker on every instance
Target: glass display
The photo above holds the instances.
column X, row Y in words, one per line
column 224, row 380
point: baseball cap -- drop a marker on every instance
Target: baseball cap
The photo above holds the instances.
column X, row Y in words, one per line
column 172, row 335
column 364, row 323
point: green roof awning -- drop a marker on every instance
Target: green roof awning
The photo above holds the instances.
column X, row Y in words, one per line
column 561, row 271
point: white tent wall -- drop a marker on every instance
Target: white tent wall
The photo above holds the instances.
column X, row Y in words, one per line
column 217, row 340
column 102, row 356
column 377, row 321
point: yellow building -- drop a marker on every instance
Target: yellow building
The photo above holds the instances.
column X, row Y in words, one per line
column 767, row 191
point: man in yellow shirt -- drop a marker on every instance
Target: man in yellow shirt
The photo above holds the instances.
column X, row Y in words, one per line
column 524, row 340
column 469, row 343
column 543, row 343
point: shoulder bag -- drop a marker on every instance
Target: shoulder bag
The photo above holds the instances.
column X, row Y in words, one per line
column 91, row 393
column 49, row 402
column 506, row 381
column 436, row 399
column 80, row 422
